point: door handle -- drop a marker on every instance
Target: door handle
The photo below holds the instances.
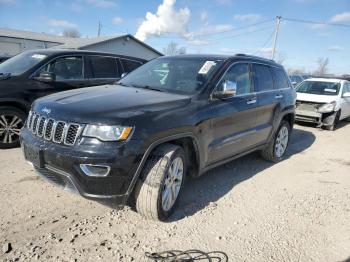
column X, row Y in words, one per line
column 279, row 96
column 251, row 101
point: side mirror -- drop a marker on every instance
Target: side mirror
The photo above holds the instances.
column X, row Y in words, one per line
column 123, row 74
column 46, row 77
column 227, row 89
column 346, row 94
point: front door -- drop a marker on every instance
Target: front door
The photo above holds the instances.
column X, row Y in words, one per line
column 233, row 125
column 68, row 74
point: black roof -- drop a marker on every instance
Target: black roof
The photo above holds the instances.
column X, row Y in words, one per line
column 50, row 52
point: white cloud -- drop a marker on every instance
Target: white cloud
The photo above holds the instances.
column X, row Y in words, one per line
column 317, row 26
column 61, row 23
column 227, row 50
column 166, row 20
column 341, row 18
column 265, row 52
column 250, row 18
column 204, row 16
column 209, row 29
column 197, row 42
column 117, row 20
column 335, row 48
column 102, row 3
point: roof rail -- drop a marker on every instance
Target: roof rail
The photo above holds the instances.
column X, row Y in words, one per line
column 256, row 57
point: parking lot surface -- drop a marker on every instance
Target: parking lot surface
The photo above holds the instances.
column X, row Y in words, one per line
column 296, row 210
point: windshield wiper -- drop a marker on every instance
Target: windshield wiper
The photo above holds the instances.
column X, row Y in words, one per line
column 150, row 88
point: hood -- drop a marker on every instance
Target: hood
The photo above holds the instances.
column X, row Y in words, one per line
column 108, row 104
column 316, row 98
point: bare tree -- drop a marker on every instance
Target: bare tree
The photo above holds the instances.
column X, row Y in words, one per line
column 173, row 49
column 281, row 57
column 72, row 33
column 322, row 66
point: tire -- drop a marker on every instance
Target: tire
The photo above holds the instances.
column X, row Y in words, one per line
column 155, row 179
column 336, row 122
column 271, row 153
column 11, row 121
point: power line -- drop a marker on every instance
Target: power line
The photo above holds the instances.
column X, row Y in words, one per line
column 314, row 22
column 265, row 43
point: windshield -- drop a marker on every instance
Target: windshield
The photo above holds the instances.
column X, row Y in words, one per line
column 173, row 74
column 20, row 63
column 319, row 88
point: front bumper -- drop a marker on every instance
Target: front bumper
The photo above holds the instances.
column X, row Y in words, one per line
column 60, row 165
column 321, row 119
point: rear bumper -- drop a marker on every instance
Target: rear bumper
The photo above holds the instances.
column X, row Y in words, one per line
column 61, row 166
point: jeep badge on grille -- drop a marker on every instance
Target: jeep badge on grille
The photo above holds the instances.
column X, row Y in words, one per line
column 46, row 110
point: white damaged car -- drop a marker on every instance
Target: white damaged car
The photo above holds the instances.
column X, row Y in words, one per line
column 323, row 101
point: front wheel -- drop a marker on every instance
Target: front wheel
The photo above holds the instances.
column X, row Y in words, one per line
column 277, row 148
column 161, row 182
column 11, row 122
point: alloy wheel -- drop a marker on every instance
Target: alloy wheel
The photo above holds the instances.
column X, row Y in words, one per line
column 281, row 142
column 10, row 127
column 172, row 183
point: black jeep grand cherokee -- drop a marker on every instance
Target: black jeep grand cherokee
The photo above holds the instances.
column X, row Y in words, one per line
column 170, row 118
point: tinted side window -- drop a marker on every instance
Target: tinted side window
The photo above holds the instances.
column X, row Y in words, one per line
column 65, row 68
column 262, row 76
column 103, row 67
column 130, row 65
column 240, row 74
column 281, row 80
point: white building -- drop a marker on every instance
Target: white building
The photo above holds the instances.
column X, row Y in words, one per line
column 13, row 42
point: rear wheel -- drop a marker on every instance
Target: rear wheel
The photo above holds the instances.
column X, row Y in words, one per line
column 11, row 122
column 277, row 148
column 161, row 182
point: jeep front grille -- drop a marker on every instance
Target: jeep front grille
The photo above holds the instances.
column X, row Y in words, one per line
column 53, row 130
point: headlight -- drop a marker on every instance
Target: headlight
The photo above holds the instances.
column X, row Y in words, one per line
column 327, row 107
column 107, row 133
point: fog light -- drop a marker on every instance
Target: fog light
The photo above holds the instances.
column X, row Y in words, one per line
column 95, row 170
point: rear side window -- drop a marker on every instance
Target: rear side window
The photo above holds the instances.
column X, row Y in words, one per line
column 281, row 80
column 262, row 78
column 130, row 65
column 103, row 67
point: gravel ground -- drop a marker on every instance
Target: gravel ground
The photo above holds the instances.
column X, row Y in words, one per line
column 296, row 210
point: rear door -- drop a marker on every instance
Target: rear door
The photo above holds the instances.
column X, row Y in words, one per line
column 234, row 121
column 269, row 84
column 68, row 72
column 102, row 70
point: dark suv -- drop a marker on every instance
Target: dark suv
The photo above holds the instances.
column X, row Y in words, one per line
column 135, row 142
column 33, row 74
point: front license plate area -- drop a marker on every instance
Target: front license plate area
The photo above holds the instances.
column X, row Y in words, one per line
column 34, row 155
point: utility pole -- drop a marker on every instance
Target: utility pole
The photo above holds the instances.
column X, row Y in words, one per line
column 99, row 28
column 278, row 22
